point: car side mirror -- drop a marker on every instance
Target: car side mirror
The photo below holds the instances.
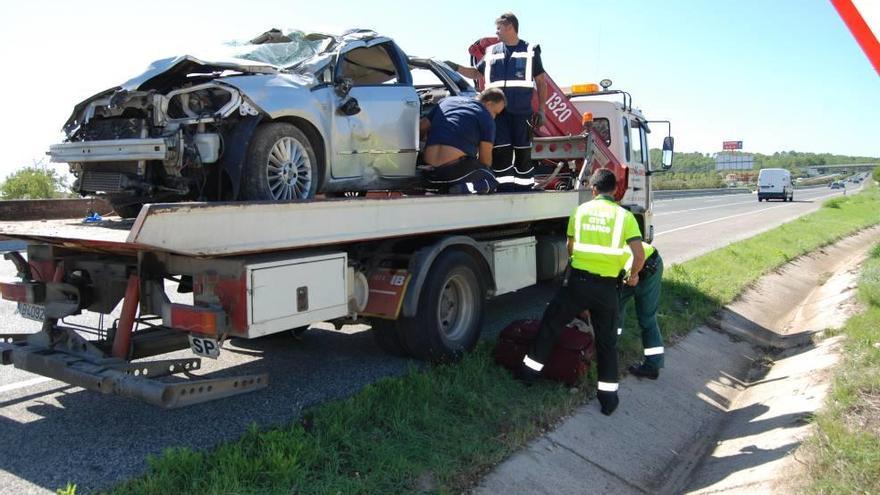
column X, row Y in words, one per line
column 342, row 85
column 668, row 145
column 349, row 106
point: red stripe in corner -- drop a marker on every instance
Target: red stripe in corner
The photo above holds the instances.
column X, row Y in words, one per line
column 860, row 30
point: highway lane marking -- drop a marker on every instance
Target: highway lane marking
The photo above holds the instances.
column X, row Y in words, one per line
column 704, row 207
column 732, row 216
column 752, row 200
column 24, row 384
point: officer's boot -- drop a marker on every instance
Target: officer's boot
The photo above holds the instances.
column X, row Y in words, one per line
column 608, row 402
column 644, row 369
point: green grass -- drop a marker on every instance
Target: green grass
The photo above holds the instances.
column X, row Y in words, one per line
column 439, row 425
column 438, row 430
column 844, row 453
column 694, row 290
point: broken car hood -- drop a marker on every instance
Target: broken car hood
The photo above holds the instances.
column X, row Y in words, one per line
column 170, row 72
column 178, row 67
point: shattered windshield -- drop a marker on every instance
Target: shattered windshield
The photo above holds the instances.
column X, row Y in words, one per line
column 280, row 48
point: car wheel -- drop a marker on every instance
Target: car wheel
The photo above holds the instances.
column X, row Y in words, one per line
column 450, row 311
column 280, row 165
column 126, row 210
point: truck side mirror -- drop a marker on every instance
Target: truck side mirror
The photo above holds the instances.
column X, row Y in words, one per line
column 668, row 145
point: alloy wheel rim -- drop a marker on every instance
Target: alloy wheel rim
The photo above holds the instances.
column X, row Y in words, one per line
column 289, row 170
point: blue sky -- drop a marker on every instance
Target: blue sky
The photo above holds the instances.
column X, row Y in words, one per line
column 781, row 75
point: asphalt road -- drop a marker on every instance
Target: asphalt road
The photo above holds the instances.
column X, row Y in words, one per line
column 688, row 227
column 54, row 433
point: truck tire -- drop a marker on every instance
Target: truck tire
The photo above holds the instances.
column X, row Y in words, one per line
column 386, row 335
column 280, row 165
column 449, row 316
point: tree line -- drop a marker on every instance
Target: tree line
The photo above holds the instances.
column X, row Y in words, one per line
column 795, row 161
column 697, row 170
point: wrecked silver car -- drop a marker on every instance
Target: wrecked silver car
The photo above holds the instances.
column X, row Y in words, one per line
column 289, row 116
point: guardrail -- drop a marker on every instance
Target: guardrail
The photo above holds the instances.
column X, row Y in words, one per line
column 686, row 193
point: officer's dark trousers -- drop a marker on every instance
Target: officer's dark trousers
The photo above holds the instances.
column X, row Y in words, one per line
column 647, row 296
column 512, row 153
column 584, row 291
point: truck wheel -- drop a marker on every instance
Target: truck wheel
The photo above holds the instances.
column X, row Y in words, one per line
column 280, row 165
column 386, row 335
column 450, row 311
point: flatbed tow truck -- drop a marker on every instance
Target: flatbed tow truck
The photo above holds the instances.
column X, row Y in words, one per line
column 417, row 268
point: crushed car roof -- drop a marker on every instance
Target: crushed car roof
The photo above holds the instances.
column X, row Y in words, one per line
column 270, row 52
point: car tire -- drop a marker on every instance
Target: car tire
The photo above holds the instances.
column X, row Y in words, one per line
column 280, row 165
column 387, row 337
column 449, row 316
column 126, row 210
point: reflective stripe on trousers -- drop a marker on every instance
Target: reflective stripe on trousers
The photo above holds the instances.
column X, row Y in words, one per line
column 531, row 363
column 607, row 386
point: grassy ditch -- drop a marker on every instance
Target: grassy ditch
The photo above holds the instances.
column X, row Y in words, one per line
column 439, row 430
column 844, row 453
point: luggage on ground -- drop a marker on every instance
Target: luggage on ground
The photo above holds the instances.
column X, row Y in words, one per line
column 571, row 357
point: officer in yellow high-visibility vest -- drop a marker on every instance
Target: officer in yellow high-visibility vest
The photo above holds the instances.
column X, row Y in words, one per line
column 599, row 232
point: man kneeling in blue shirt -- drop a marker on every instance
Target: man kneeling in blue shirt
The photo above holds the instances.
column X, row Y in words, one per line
column 459, row 147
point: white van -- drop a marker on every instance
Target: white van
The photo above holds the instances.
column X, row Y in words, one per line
column 775, row 183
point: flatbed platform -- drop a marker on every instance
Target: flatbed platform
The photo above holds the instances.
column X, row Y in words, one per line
column 229, row 229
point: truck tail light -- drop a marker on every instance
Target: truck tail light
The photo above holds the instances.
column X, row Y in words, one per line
column 199, row 319
column 26, row 292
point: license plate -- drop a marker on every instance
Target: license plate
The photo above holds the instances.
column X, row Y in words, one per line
column 32, row 311
column 204, row 346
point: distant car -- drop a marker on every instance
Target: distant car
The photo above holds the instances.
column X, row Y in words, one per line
column 290, row 116
column 837, row 185
column 775, row 183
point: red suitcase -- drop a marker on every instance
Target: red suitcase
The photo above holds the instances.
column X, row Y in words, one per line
column 570, row 359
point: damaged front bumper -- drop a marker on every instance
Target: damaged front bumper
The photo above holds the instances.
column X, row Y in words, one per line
column 112, row 150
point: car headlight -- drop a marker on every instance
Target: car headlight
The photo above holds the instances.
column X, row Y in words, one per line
column 201, row 102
